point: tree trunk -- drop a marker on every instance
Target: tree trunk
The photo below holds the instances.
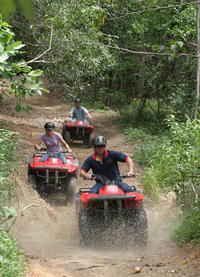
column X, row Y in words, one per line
column 198, row 64
column 142, row 93
column 140, row 109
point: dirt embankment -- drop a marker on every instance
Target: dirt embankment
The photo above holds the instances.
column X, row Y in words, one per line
column 48, row 231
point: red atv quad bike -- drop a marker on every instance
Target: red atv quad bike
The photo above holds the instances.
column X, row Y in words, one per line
column 52, row 175
column 111, row 210
column 78, row 131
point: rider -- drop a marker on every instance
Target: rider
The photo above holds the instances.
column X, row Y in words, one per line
column 78, row 112
column 52, row 141
column 105, row 162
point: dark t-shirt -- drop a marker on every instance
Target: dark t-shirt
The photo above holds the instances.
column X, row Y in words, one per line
column 108, row 166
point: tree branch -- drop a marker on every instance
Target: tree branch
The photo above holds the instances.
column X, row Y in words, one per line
column 89, row 267
column 151, row 53
column 155, row 9
column 47, row 50
column 18, row 213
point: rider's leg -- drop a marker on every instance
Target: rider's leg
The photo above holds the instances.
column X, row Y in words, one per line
column 86, row 122
column 96, row 187
column 74, row 120
column 63, row 159
column 125, row 187
column 44, row 157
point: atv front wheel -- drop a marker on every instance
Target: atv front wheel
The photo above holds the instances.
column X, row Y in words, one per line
column 32, row 178
column 85, row 229
column 71, row 188
column 90, row 140
column 140, row 224
column 32, row 181
column 66, row 135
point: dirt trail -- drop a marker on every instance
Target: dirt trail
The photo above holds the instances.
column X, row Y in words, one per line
column 48, row 231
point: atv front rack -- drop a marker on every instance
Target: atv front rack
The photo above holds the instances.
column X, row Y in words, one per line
column 46, row 169
column 111, row 197
column 52, row 167
column 109, row 203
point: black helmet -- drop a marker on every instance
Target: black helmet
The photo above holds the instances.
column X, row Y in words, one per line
column 77, row 100
column 99, row 141
column 49, row 126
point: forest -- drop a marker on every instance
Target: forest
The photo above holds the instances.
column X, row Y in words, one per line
column 139, row 59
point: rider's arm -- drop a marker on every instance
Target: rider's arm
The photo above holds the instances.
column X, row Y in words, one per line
column 84, row 174
column 71, row 113
column 86, row 166
column 122, row 157
column 37, row 146
column 130, row 166
column 88, row 114
column 65, row 145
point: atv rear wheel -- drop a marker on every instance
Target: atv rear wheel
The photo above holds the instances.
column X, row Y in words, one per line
column 71, row 188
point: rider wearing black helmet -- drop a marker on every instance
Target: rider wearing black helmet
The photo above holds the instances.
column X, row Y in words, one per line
column 52, row 142
column 105, row 162
column 49, row 126
column 99, row 141
column 79, row 113
column 77, row 100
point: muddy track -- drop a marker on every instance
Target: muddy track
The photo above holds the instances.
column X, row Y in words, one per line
column 47, row 230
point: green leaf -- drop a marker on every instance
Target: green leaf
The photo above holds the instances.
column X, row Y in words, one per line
column 18, row 45
column 3, row 57
column 18, row 108
column 1, row 47
column 6, row 38
column 39, row 92
column 171, row 58
column 173, row 47
column 10, row 212
column 12, row 86
column 180, row 44
column 45, row 90
column 35, row 73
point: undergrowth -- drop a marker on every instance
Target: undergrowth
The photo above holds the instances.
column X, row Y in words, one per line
column 169, row 150
column 188, row 230
column 11, row 257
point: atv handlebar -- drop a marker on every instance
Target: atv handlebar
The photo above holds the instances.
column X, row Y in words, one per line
column 94, row 176
column 43, row 149
column 104, row 179
column 127, row 176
